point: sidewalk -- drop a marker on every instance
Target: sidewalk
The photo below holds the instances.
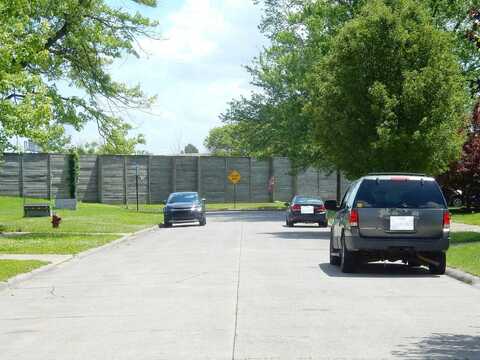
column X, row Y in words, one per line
column 53, row 259
column 460, row 227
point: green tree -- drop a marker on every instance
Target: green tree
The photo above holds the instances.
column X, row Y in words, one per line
column 273, row 119
column 390, row 95
column 226, row 141
column 190, row 149
column 49, row 46
column 301, row 33
column 121, row 143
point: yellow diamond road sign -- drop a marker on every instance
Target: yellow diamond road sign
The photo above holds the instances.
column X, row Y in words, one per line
column 234, row 177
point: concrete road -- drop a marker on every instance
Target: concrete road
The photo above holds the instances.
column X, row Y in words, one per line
column 243, row 287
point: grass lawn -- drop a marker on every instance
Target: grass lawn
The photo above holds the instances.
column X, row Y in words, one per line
column 52, row 243
column 9, row 268
column 465, row 216
column 464, row 252
column 88, row 218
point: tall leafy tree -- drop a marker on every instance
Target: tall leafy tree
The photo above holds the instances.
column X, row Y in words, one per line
column 390, row 95
column 48, row 46
column 301, row 33
column 190, row 149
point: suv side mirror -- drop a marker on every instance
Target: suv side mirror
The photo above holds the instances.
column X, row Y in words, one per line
column 164, row 202
column 331, row 205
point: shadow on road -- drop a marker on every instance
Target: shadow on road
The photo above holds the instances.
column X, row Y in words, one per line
column 162, row 226
column 378, row 270
column 250, row 216
column 300, row 235
column 441, row 346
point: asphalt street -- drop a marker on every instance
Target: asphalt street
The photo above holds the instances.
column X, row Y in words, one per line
column 242, row 287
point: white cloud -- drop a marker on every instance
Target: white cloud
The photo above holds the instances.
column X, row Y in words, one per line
column 193, row 33
column 195, row 71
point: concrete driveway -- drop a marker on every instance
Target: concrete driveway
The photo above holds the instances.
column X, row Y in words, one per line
column 243, row 287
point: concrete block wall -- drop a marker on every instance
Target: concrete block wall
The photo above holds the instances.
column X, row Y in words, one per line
column 111, row 178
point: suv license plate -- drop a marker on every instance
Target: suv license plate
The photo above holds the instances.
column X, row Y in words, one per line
column 402, row 223
column 306, row 210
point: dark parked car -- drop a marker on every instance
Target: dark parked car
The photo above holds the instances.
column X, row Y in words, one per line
column 306, row 209
column 391, row 217
column 454, row 197
column 184, row 207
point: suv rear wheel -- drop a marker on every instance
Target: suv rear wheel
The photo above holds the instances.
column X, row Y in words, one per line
column 441, row 259
column 347, row 264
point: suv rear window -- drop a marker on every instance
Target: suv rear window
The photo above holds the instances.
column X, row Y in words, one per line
column 399, row 194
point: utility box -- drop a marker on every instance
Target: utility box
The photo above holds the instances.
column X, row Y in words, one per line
column 37, row 210
column 69, row 204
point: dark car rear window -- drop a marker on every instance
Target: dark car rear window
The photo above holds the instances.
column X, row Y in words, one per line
column 399, row 194
column 307, row 200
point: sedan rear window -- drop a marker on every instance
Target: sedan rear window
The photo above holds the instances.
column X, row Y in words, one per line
column 307, row 200
column 399, row 194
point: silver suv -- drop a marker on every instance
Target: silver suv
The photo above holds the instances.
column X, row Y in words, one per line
column 391, row 217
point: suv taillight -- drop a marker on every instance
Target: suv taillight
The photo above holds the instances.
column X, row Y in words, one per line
column 353, row 218
column 446, row 219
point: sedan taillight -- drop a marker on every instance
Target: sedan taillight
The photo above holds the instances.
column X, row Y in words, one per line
column 296, row 207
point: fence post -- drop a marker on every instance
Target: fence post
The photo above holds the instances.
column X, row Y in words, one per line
column 21, row 177
column 294, row 182
column 100, row 178
column 271, row 173
column 225, row 181
column 250, row 179
column 125, row 181
column 174, row 174
column 49, row 176
column 149, row 169
column 199, row 175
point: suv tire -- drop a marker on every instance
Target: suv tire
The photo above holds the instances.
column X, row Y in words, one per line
column 347, row 263
column 334, row 258
column 442, row 264
column 203, row 221
column 167, row 224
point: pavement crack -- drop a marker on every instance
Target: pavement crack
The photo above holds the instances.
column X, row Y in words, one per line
column 191, row 277
column 237, row 296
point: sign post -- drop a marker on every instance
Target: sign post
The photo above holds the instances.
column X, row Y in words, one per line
column 234, row 177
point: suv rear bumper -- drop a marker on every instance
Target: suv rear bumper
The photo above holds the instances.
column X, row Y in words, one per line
column 355, row 242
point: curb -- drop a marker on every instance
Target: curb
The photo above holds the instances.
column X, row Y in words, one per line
column 44, row 269
column 463, row 277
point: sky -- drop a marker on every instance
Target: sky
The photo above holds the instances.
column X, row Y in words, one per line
column 194, row 69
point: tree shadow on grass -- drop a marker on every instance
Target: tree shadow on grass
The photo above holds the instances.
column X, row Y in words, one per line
column 441, row 346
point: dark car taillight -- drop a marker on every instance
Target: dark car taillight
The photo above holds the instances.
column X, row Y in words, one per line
column 296, row 207
column 446, row 219
column 353, row 217
column 320, row 208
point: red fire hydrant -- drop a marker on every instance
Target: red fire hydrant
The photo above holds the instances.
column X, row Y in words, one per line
column 56, row 220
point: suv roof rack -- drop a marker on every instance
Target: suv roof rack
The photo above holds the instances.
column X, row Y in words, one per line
column 396, row 173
